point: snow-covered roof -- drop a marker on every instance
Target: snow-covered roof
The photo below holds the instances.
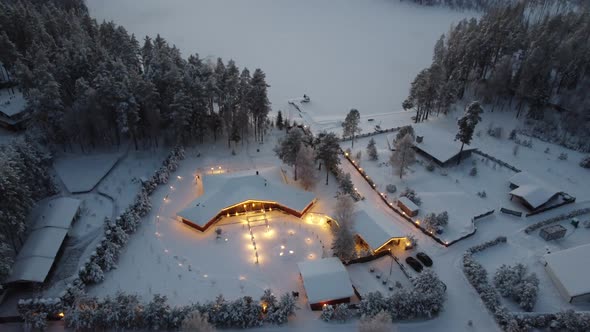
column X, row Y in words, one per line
column 534, row 195
column 408, row 203
column 439, row 143
column 35, row 258
column 376, row 229
column 325, row 279
column 225, row 190
column 524, row 178
column 12, row 104
column 571, row 267
column 58, row 212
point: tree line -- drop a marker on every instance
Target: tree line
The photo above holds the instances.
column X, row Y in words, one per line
column 90, row 85
column 540, row 66
column 539, row 5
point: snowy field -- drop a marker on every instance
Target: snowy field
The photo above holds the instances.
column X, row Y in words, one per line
column 343, row 54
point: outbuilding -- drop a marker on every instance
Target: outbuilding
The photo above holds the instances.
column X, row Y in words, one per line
column 326, row 281
column 407, row 206
column 569, row 270
column 376, row 229
column 43, row 245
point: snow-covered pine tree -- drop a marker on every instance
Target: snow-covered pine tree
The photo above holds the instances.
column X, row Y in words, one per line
column 404, row 154
column 467, row 125
column 288, row 148
column 328, row 151
column 327, row 313
column 279, row 121
column 130, row 310
column 350, row 125
column 342, row 313
column 372, row 303
column 372, row 150
column 156, row 312
column 285, row 308
column 345, row 184
column 305, row 165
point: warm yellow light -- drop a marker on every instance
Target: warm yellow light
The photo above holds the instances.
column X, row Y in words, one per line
column 212, row 168
column 282, row 247
column 417, row 222
column 61, row 315
column 179, row 177
column 291, row 252
column 219, row 167
column 228, row 214
column 244, row 206
column 281, row 254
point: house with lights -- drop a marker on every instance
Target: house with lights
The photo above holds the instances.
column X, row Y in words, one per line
column 326, row 281
column 376, row 230
column 232, row 194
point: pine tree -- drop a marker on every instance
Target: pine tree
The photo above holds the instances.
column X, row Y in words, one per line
column 343, row 244
column 259, row 103
column 328, row 151
column 467, row 125
column 350, row 126
column 403, row 155
column 288, row 148
column 305, row 164
column 279, row 121
column 345, row 184
column 372, row 150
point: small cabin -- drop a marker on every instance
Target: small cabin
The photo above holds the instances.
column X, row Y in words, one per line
column 407, row 206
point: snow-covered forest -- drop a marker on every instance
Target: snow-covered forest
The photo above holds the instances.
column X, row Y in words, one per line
column 92, row 85
column 537, row 66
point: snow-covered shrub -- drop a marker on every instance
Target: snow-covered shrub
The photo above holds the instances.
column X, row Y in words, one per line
column 359, row 154
column 342, row 313
column 516, row 283
column 345, row 184
column 34, row 312
column 91, row 272
column 486, row 245
column 128, row 220
column 562, row 156
column 585, row 163
column 482, row 194
column 82, row 315
column 372, row 303
column 473, row 171
column 380, row 322
column 114, row 233
column 282, row 311
column 549, row 221
column 391, row 188
column 156, row 312
column 142, row 204
column 411, row 195
column 372, row 150
column 73, row 291
column 430, row 167
column 197, row 322
column 327, row 313
column 547, row 150
column 433, row 222
column 570, row 320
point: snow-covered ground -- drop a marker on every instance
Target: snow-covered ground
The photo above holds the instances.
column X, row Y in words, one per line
column 342, row 53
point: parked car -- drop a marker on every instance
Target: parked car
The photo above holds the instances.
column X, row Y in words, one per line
column 427, row 261
column 411, row 261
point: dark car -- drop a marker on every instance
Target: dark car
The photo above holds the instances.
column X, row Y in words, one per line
column 411, row 261
column 424, row 259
